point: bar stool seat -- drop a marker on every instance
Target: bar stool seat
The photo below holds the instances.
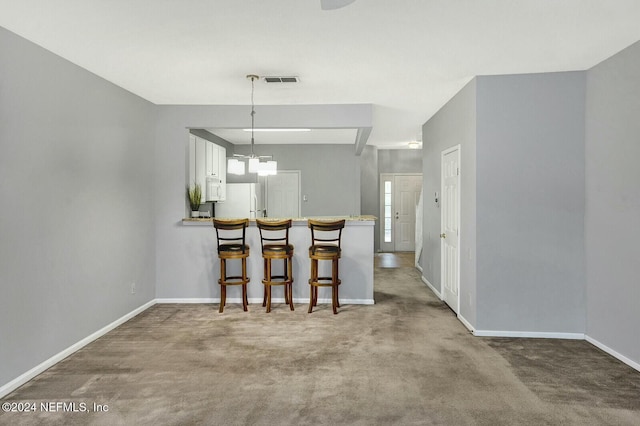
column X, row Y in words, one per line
column 324, row 250
column 277, row 249
column 325, row 245
column 233, row 231
column 274, row 238
column 233, row 248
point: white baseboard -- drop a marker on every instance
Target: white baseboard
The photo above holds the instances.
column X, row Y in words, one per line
column 24, row 378
column 433, row 289
column 631, row 363
column 543, row 335
column 529, row 334
column 254, row 300
column 192, row 300
column 466, row 323
column 419, row 268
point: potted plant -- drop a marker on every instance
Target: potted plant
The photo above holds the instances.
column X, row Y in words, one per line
column 194, row 194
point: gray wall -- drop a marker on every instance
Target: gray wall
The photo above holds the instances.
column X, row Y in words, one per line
column 454, row 124
column 612, row 220
column 530, row 202
column 399, row 161
column 331, row 178
column 76, row 184
column 553, row 221
column 330, row 175
column 370, row 189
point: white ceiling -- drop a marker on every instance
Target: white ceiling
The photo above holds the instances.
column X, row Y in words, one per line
column 406, row 57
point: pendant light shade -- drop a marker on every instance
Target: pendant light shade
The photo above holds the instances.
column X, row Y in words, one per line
column 254, row 165
column 235, row 166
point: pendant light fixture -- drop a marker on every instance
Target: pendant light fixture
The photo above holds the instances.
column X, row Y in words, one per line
column 262, row 168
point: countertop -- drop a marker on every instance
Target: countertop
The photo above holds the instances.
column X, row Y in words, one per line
column 354, row 219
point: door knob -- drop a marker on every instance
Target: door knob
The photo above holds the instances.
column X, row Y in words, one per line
column 443, row 235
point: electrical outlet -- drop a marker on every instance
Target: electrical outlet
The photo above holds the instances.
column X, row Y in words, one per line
column 133, row 288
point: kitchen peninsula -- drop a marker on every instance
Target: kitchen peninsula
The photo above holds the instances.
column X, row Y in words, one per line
column 356, row 264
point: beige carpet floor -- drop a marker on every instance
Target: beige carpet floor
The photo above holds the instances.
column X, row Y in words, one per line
column 404, row 361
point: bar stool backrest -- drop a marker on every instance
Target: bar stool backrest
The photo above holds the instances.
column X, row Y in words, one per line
column 233, row 232
column 329, row 232
column 271, row 234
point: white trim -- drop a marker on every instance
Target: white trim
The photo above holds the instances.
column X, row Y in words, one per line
column 419, row 268
column 466, row 323
column 433, row 289
column 529, row 334
column 191, row 300
column 24, row 378
column 255, row 300
column 631, row 363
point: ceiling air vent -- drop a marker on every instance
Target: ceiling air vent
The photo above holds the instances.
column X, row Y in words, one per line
column 276, row 79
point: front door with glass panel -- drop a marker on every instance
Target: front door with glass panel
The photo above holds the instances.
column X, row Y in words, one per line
column 399, row 195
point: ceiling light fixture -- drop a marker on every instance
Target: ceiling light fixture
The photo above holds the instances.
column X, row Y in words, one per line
column 262, row 168
column 414, row 145
column 334, row 4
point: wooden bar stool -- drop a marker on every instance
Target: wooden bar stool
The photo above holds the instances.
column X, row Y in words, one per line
column 325, row 245
column 274, row 237
column 231, row 245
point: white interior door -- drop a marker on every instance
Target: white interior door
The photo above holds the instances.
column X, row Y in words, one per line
column 407, row 193
column 450, row 228
column 283, row 194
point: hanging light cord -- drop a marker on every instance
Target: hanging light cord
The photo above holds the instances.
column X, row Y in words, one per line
column 253, row 113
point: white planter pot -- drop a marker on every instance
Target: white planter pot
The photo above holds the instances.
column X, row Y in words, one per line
column 195, row 213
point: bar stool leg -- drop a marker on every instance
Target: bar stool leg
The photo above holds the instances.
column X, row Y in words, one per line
column 314, row 278
column 267, row 287
column 245, row 299
column 334, row 285
column 285, row 278
column 315, row 287
column 264, row 290
column 290, row 284
column 223, row 287
column 337, row 280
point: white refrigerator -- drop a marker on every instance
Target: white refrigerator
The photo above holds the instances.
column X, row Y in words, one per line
column 243, row 200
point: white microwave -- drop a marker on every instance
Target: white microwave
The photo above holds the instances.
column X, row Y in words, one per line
column 214, row 188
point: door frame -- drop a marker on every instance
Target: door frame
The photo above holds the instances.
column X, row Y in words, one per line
column 442, row 195
column 389, row 247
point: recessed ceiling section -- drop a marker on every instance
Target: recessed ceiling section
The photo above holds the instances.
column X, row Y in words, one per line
column 287, row 136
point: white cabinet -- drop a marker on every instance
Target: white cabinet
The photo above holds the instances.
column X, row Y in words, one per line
column 196, row 163
column 212, row 163
column 208, row 167
column 222, row 172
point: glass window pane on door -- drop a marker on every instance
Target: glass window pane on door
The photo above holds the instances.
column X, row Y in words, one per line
column 387, row 211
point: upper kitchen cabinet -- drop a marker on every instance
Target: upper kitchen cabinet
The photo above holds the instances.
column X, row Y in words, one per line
column 208, row 167
column 216, row 168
